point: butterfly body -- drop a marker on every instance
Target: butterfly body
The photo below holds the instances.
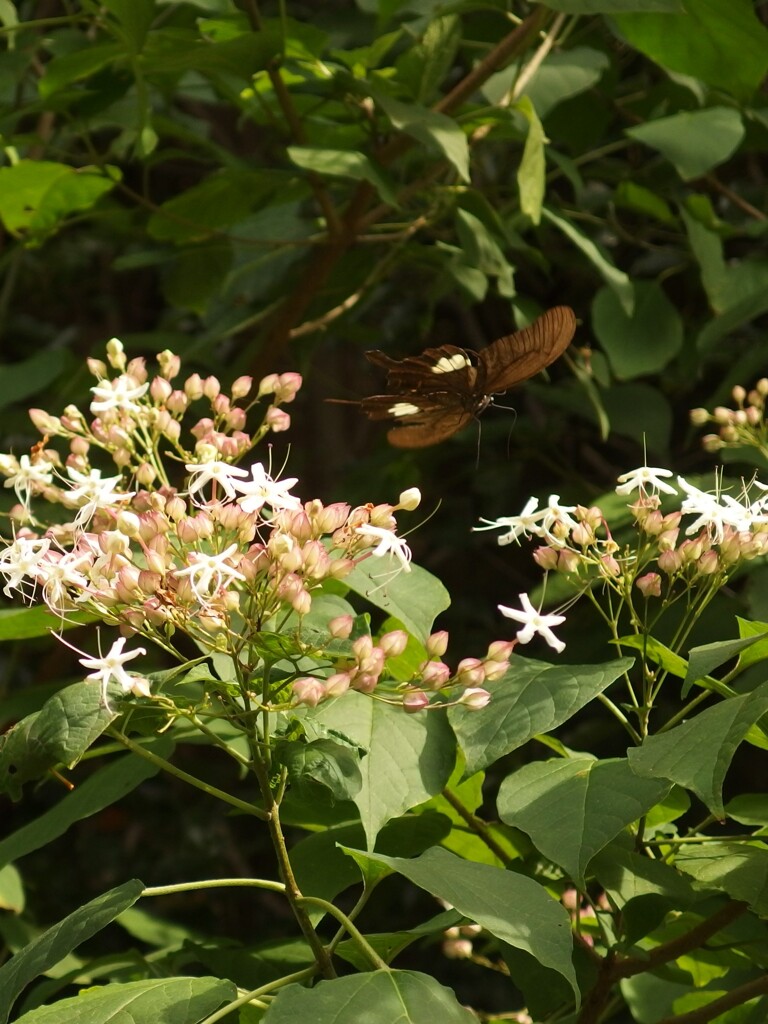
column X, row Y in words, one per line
column 435, row 394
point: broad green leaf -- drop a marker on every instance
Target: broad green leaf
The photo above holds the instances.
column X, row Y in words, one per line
column 415, row 598
column 221, row 200
column 530, row 173
column 133, row 18
column 645, row 341
column 564, row 73
column 378, row 997
column 627, row 875
column 640, row 411
column 616, row 279
column 723, row 44
column 532, row 698
column 432, row 129
column 24, row 623
column 64, row 71
column 696, row 754
column 424, row 67
column 482, row 250
column 693, row 141
column 100, row 790
column 59, row 940
column 511, row 906
column 702, row 660
column 571, row 809
column 740, row 869
column 707, row 247
column 25, row 378
column 642, row 200
column 321, row 765
column 409, row 757
column 757, row 653
column 739, row 313
column 59, row 733
column 344, row 163
column 152, row 1001
column 36, row 196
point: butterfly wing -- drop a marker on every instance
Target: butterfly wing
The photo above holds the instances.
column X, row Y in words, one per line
column 517, row 357
column 421, row 420
column 436, row 370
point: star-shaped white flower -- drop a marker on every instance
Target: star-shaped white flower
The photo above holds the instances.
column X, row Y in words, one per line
column 527, row 524
column 533, row 622
column 92, row 493
column 120, row 393
column 262, row 490
column 209, row 572
column 223, row 473
column 21, row 560
column 645, row 478
column 111, row 666
column 388, row 544
column 30, row 477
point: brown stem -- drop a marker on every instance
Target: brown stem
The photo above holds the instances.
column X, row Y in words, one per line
column 614, row 968
column 737, row 996
column 325, row 258
column 477, row 825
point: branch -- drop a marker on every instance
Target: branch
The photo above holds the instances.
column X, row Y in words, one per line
column 737, row 996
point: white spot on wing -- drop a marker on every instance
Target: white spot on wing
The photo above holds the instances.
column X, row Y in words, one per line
column 403, row 409
column 447, row 364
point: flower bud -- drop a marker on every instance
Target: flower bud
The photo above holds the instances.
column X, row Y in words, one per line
column 211, row 387
column 649, row 585
column 475, row 698
column 470, row 672
column 341, row 627
column 241, row 387
column 277, row 420
column 709, row 563
column 128, row 523
column 44, row 422
column 568, row 562
column 169, row 364
column 739, row 394
column 337, row 684
column 415, row 700
column 267, row 385
column 393, row 643
column 137, row 369
column 434, row 674
column 287, row 386
column 330, row 518
column 160, row 390
column 500, row 650
column 437, row 644
column 146, row 474
column 409, row 499
column 609, row 566
column 699, row 417
column 193, row 387
column 97, row 368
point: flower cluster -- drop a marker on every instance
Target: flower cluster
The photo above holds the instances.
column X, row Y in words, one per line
column 182, row 539
column 698, row 544
column 742, row 427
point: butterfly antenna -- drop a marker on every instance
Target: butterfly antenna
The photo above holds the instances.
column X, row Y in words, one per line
column 479, row 440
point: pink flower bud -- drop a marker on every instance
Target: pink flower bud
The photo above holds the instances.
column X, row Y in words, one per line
column 193, row 387
column 267, row 385
column 308, row 691
column 341, row 567
column 583, row 535
column 365, row 682
column 221, row 404
column 236, row 418
column 341, row 627
column 470, row 672
column 337, row 684
column 330, row 518
column 434, row 674
column 44, row 422
column 609, row 566
column 415, row 700
column 568, row 562
column 287, row 386
column 393, row 643
column 302, row 602
column 495, row 670
column 146, row 474
column 669, row 561
column 169, row 364
column 241, row 387
column 709, row 563
column 474, row 698
column 160, row 390
column 500, row 650
column 437, row 644
column 545, row 558
column 362, row 647
column 649, row 585
column 211, row 387
column 137, row 368
column 381, row 516
column 277, row 420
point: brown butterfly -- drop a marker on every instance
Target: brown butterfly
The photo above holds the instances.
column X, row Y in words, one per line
column 434, row 395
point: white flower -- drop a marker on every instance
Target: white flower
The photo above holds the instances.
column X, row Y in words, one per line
column 388, row 544
column 644, row 478
column 715, row 512
column 30, row 477
column 93, row 493
column 262, row 490
column 60, row 574
column 534, row 622
column 214, row 469
column 111, row 667
column 21, row 560
column 527, row 524
column 556, row 513
column 208, row 572
column 119, row 393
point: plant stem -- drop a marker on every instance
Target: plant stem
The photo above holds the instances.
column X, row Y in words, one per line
column 248, row 997
column 375, row 960
column 214, row 883
column 477, row 825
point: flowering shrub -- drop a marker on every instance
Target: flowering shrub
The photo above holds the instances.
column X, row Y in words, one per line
column 595, row 882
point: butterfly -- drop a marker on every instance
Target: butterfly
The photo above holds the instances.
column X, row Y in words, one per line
column 434, row 395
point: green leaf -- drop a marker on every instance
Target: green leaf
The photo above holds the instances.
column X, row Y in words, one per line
column 134, row 18
column 742, row 312
column 152, row 1001
column 643, row 342
column 321, row 765
column 432, row 129
column 640, row 411
column 627, row 875
column 571, row 809
column 344, row 163
column 197, row 274
column 702, row 660
column 532, row 698
column 425, row 66
column 59, row 940
column 694, row 141
column 481, row 250
column 24, row 623
column 101, row 789
column 616, row 279
column 415, row 598
column 59, row 733
column 642, row 200
column 511, row 906
column 64, row 71
column 723, row 44
column 740, row 869
column 11, row 890
column 409, row 759
column 20, row 380
column 564, row 73
column 696, row 754
column 36, row 196
column 530, row 174
column 379, row 997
